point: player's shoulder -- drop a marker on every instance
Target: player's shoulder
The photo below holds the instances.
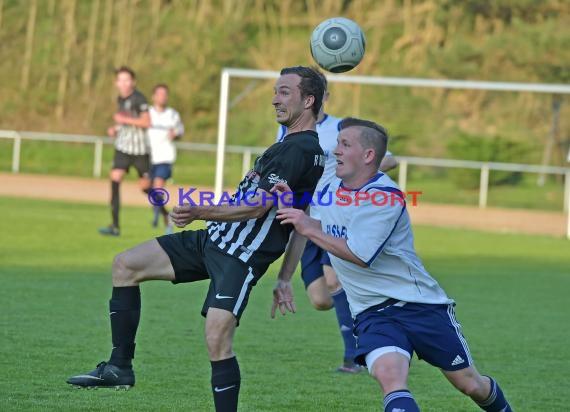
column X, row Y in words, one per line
column 381, row 182
column 329, row 122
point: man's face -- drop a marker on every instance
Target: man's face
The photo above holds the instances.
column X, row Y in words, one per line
column 125, row 84
column 287, row 99
column 160, row 97
column 350, row 154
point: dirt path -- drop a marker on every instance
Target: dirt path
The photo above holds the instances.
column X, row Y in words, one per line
column 87, row 190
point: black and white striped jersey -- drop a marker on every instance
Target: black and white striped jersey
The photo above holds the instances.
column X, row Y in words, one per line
column 299, row 161
column 132, row 140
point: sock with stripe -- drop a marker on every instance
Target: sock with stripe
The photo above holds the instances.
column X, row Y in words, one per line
column 225, row 384
column 125, row 313
column 496, row 402
column 345, row 324
column 401, row 400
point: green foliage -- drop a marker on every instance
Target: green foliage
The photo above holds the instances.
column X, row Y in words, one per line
column 186, row 44
column 481, row 148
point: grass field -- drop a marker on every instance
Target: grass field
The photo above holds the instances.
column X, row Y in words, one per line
column 512, row 294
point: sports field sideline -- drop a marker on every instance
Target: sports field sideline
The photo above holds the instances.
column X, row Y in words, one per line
column 86, row 190
column 511, row 292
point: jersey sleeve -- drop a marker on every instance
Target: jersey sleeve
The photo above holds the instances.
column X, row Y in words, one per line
column 372, row 223
column 285, row 166
column 141, row 104
column 178, row 125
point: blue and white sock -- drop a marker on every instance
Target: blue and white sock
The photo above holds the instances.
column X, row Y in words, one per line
column 400, row 401
column 496, row 402
column 345, row 324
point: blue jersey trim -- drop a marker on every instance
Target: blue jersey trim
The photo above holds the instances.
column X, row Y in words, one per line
column 390, row 189
column 373, row 179
column 324, row 119
column 322, row 192
column 386, row 240
column 283, row 130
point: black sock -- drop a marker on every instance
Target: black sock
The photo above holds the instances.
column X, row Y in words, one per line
column 225, row 384
column 125, row 312
column 115, row 203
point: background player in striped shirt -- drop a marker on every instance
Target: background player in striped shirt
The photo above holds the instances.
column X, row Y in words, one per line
column 166, row 127
column 321, row 283
column 398, row 307
column 131, row 142
column 240, row 242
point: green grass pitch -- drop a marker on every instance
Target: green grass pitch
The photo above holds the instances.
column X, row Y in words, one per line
column 512, row 294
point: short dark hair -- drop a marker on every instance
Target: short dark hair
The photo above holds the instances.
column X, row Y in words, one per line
column 372, row 135
column 160, row 86
column 322, row 76
column 311, row 85
column 126, row 69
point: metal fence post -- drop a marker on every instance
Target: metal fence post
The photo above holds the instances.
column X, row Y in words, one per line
column 246, row 162
column 566, row 191
column 484, row 186
column 16, row 153
column 403, row 174
column 97, row 158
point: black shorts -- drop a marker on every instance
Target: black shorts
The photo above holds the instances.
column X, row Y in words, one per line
column 195, row 258
column 124, row 161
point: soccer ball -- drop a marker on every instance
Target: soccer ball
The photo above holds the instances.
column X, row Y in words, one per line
column 337, row 44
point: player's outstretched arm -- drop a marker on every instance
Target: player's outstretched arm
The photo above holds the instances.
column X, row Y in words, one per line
column 254, row 208
column 311, row 229
column 283, row 290
column 389, row 162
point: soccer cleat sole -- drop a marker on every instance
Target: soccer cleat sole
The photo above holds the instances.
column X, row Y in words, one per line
column 115, row 387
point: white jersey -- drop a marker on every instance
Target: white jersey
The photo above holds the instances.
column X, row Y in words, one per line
column 162, row 148
column 382, row 237
column 328, row 130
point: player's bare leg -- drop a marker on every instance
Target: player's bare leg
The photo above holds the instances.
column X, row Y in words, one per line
column 484, row 391
column 220, row 329
column 116, row 176
column 319, row 295
column 147, row 261
column 391, row 371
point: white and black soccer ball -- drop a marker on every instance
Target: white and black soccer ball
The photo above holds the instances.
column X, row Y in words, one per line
column 338, row 44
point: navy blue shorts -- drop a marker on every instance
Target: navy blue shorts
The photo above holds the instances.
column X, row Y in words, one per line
column 312, row 262
column 162, row 170
column 431, row 331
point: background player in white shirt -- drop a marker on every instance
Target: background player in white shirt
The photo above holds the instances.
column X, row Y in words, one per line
column 397, row 306
column 166, row 127
column 321, row 283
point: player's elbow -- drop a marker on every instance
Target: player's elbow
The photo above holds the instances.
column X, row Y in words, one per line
column 259, row 211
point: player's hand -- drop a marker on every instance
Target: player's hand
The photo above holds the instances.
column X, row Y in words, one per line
column 284, row 195
column 283, row 298
column 112, row 131
column 172, row 134
column 183, row 215
column 298, row 218
column 120, row 118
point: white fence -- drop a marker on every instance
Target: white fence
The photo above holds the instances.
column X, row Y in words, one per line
column 248, row 151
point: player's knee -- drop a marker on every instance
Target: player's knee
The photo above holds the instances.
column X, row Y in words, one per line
column 390, row 376
column 122, row 273
column 218, row 343
column 321, row 302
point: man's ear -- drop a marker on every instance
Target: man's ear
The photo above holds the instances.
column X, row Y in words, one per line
column 369, row 155
column 309, row 101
